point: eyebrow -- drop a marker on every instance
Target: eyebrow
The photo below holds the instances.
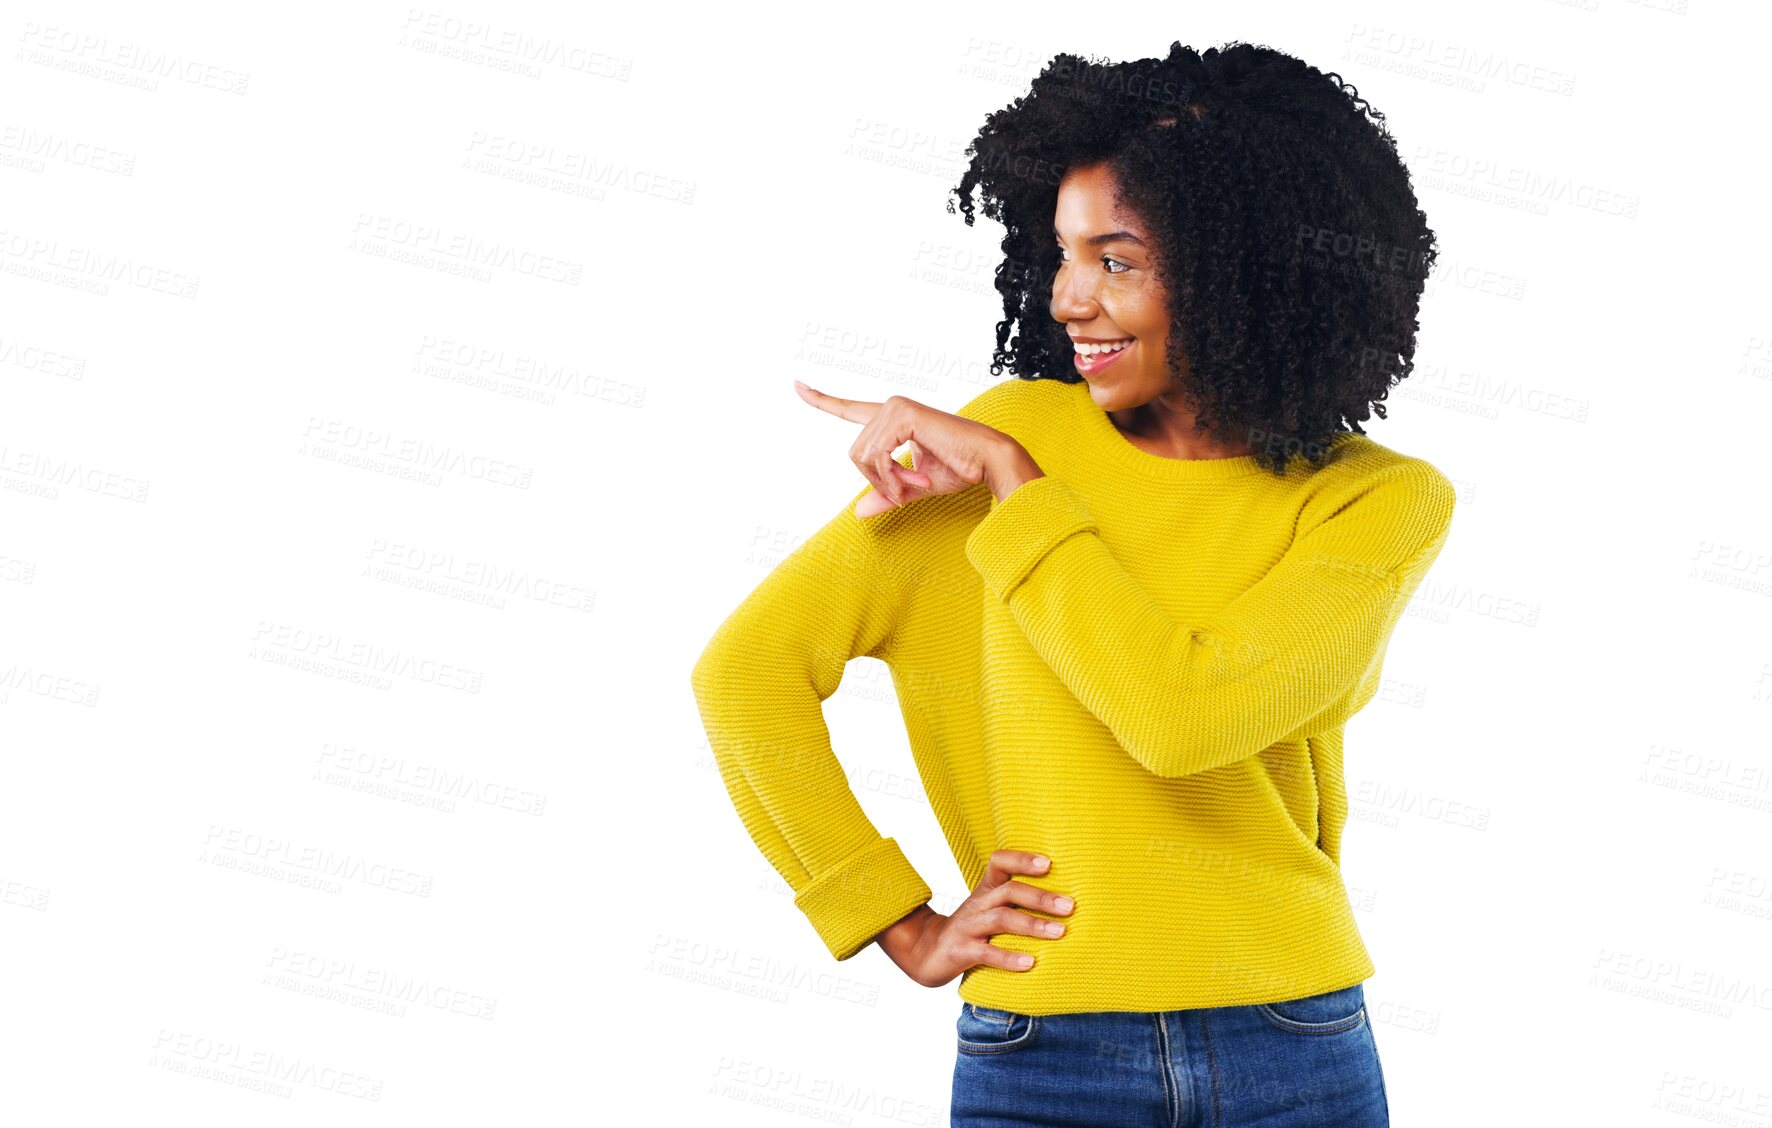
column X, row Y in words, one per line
column 1110, row 237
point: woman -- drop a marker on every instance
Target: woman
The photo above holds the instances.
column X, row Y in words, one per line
column 1129, row 600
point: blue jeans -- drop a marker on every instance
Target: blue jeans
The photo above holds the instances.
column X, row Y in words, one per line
column 1310, row 1061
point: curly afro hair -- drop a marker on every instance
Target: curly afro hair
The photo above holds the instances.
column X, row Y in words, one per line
column 1289, row 240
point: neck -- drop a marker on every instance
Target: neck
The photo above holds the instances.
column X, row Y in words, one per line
column 1169, row 432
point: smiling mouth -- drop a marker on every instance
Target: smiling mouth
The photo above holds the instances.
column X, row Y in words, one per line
column 1089, row 363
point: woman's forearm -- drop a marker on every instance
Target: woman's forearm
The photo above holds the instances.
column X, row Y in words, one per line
column 898, row 940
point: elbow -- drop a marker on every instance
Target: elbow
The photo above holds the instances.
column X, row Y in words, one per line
column 1172, row 760
column 1166, row 742
column 698, row 674
column 1167, row 753
column 709, row 671
column 1188, row 746
column 711, row 684
column 1165, row 759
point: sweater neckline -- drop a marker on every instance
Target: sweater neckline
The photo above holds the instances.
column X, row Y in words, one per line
column 1138, row 460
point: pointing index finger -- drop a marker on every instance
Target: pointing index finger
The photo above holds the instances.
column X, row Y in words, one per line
column 856, row 411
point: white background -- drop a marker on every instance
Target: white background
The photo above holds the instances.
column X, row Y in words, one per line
column 348, row 600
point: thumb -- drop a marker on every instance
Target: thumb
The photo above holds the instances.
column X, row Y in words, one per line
column 871, row 504
column 915, row 488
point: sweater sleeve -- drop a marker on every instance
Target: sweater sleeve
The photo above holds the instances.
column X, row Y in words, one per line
column 760, row 685
column 1297, row 652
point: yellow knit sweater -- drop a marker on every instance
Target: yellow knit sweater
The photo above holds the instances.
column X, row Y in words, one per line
column 1138, row 666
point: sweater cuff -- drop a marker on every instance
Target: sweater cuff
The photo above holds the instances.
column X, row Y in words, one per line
column 1022, row 528
column 857, row 900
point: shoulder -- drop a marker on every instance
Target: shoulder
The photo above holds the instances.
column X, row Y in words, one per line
column 1362, row 461
column 1368, row 483
column 1015, row 404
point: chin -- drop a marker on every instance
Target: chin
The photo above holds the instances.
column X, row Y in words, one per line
column 1109, row 396
column 1123, row 392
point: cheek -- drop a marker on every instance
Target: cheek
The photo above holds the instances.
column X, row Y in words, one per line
column 1151, row 327
column 1144, row 309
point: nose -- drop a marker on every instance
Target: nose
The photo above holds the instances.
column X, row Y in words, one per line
column 1073, row 295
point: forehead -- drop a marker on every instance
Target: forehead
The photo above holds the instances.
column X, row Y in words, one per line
column 1086, row 204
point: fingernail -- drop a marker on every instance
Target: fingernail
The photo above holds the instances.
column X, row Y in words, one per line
column 1041, row 861
column 1064, row 904
column 1024, row 960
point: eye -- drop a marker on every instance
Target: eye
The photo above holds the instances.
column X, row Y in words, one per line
column 1109, row 260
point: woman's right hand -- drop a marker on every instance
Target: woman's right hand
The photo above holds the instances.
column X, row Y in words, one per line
column 949, row 452
column 932, row 949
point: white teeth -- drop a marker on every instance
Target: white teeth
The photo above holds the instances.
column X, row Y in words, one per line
column 1091, row 350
